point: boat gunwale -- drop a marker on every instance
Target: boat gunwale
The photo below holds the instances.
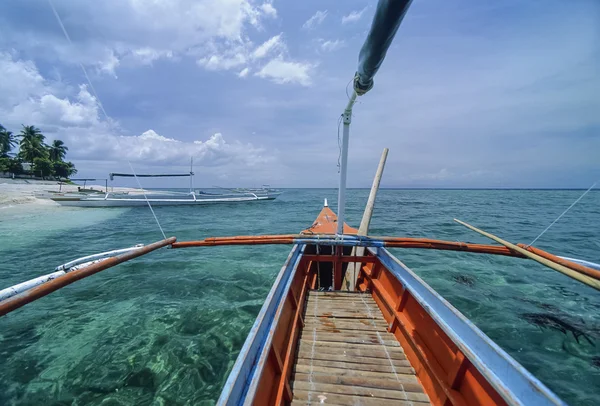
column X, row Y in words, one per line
column 252, row 357
column 514, row 383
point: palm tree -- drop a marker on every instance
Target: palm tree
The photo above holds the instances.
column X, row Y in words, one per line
column 32, row 144
column 58, row 150
column 7, row 141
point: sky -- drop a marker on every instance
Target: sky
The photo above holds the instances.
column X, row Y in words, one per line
column 473, row 93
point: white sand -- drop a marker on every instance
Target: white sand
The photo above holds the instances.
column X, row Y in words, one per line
column 20, row 191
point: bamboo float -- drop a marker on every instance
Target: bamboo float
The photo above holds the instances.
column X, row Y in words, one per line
column 37, row 292
column 593, row 273
column 583, row 278
column 349, row 281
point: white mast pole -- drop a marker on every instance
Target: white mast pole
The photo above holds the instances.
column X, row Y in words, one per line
column 192, row 174
column 347, row 118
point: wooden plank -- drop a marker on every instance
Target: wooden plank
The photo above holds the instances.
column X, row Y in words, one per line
column 359, row 366
column 340, row 314
column 350, row 390
column 341, row 303
column 337, row 347
column 302, row 397
column 310, row 336
column 365, row 334
column 324, row 356
column 406, row 377
column 349, row 324
column 363, row 299
column 347, row 330
column 373, row 382
column 334, row 299
column 338, row 293
column 351, row 352
column 345, row 305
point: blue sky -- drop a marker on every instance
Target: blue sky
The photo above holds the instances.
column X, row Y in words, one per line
column 473, row 93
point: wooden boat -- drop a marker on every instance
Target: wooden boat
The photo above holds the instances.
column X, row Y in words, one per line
column 392, row 341
column 158, row 199
column 142, row 198
column 389, row 339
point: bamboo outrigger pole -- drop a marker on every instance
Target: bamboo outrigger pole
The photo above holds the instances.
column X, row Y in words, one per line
column 594, row 283
column 14, row 302
column 352, row 270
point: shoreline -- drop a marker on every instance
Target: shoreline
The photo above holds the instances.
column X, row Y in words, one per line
column 21, row 192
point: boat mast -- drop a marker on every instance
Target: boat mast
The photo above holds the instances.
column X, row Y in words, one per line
column 347, row 117
column 191, row 174
column 387, row 19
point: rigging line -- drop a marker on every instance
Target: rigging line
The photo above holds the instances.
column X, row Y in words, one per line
column 64, row 30
column 339, row 163
column 563, row 213
column 147, row 201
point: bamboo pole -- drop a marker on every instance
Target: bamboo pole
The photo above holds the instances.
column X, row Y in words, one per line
column 550, row 264
column 349, row 282
column 13, row 303
column 593, row 273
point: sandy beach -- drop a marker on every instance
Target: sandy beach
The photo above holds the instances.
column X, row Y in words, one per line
column 22, row 191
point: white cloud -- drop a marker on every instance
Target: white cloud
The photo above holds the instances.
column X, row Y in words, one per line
column 75, row 119
column 244, row 72
column 222, row 62
column 269, row 10
column 281, row 71
column 142, row 32
column 270, row 45
column 332, row 45
column 353, row 16
column 109, row 63
column 152, row 135
column 19, row 79
column 315, row 20
column 147, row 55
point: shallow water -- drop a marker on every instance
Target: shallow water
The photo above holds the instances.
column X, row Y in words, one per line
column 166, row 328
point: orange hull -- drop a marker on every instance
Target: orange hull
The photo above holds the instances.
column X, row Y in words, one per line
column 443, row 358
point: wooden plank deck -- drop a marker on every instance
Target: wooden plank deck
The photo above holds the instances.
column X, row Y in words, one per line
column 346, row 356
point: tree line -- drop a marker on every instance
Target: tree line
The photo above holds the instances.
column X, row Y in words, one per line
column 46, row 160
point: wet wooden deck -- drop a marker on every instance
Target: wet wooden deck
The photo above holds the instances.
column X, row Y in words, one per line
column 346, row 356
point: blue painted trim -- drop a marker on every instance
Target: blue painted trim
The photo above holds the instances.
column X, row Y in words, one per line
column 513, row 382
column 347, row 241
column 247, row 367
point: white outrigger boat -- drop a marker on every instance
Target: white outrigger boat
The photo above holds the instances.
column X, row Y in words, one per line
column 161, row 198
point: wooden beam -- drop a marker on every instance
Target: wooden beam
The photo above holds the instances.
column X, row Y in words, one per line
column 550, row 264
column 353, row 269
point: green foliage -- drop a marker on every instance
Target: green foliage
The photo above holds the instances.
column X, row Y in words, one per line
column 64, row 169
column 42, row 167
column 7, row 141
column 57, row 151
column 15, row 166
column 32, row 144
column 47, row 160
column 11, row 165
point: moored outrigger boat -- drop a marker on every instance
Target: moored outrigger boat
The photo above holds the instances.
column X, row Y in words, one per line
column 157, row 198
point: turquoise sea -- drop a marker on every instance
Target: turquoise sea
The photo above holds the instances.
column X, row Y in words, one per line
column 166, row 328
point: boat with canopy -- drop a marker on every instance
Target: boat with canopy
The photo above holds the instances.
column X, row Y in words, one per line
column 161, row 198
column 346, row 322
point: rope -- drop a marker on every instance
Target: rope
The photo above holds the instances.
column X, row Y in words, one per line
column 64, row 30
column 339, row 163
column 382, row 343
column 147, row 201
column 563, row 213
